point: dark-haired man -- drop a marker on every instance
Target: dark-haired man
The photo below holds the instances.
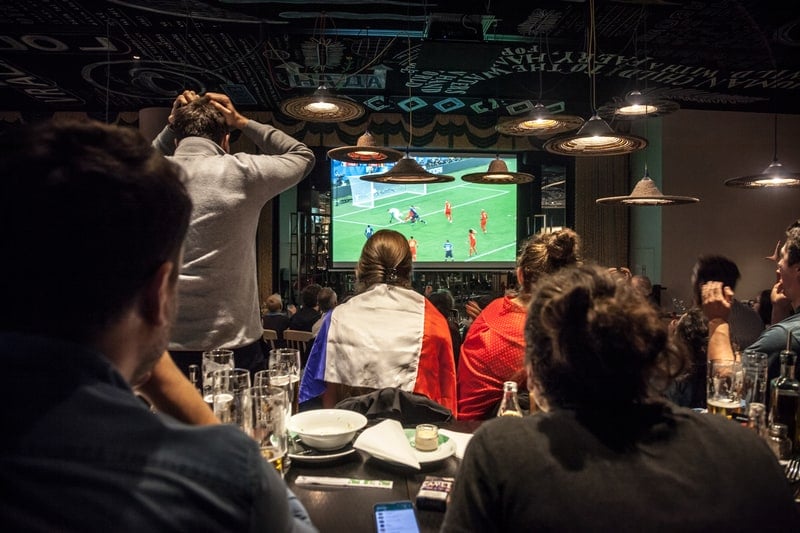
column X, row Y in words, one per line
column 717, row 298
column 218, row 283
column 94, row 218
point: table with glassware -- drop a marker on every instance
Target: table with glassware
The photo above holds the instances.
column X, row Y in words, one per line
column 350, row 508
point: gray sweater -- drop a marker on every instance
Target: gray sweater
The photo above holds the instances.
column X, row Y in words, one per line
column 218, row 289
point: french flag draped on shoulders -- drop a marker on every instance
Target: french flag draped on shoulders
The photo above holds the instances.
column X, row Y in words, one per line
column 387, row 336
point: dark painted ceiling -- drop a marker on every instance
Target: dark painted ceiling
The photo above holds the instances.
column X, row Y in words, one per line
column 444, row 57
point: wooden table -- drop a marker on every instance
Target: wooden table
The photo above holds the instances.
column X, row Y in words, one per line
column 350, row 509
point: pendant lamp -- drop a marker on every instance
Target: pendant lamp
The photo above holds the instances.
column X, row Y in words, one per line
column 637, row 105
column 773, row 176
column 407, row 170
column 322, row 106
column 365, row 151
column 498, row 174
column 646, row 193
column 540, row 123
column 596, row 137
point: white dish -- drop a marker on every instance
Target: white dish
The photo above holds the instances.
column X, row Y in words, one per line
column 327, row 429
column 299, row 452
column 447, row 447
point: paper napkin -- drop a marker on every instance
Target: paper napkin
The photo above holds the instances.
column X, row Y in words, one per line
column 387, row 441
column 461, row 440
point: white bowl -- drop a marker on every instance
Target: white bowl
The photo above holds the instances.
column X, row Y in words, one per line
column 327, row 429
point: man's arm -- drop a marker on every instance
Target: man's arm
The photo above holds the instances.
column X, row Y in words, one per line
column 170, row 392
column 716, row 303
column 165, row 141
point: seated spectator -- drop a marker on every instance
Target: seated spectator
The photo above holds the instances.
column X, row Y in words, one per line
column 81, row 452
column 691, row 333
column 494, row 347
column 604, row 455
column 444, row 302
column 387, row 335
column 275, row 318
column 745, row 324
column 308, row 313
column 326, row 300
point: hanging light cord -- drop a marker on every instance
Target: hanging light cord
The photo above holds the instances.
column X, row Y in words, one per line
column 410, row 103
column 590, row 60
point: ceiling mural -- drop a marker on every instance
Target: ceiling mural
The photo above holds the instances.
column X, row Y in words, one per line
column 490, row 59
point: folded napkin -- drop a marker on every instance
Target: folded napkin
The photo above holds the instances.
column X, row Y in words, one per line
column 460, row 439
column 387, row 441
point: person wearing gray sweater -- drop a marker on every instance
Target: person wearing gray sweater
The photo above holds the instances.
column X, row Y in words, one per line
column 218, row 290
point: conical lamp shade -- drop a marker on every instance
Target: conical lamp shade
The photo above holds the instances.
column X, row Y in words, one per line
column 595, row 138
column 646, row 193
column 637, row 105
column 499, row 174
column 322, row 106
column 539, row 123
column 773, row 176
column 405, row 171
column 365, row 151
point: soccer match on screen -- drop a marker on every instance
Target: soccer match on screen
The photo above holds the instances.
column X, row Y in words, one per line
column 456, row 222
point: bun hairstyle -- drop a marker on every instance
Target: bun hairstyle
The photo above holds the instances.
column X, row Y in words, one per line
column 546, row 253
column 595, row 343
column 385, row 258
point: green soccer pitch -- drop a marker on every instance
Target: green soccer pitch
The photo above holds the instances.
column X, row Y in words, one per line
column 499, row 243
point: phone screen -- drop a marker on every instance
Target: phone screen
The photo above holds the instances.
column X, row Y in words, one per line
column 395, row 517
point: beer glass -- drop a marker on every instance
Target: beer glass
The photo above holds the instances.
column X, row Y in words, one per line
column 724, row 388
column 214, row 360
column 285, row 362
column 229, row 387
column 266, row 423
column 754, row 388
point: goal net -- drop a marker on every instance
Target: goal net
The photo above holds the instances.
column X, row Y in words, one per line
column 366, row 193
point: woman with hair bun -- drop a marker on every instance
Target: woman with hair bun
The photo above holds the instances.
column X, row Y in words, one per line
column 606, row 453
column 494, row 347
column 387, row 335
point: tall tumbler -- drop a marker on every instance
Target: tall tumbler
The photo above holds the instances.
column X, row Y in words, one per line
column 754, row 388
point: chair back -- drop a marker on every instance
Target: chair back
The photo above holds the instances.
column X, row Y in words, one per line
column 298, row 339
column 270, row 337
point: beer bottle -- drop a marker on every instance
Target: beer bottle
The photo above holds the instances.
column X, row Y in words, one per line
column 785, row 396
column 509, row 406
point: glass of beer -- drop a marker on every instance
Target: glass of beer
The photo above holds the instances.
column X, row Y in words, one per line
column 266, row 423
column 724, row 388
column 285, row 362
column 229, row 387
column 214, row 360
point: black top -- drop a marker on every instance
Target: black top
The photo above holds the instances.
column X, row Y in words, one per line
column 654, row 468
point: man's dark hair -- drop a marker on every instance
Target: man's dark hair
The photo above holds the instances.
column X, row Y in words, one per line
column 199, row 119
column 308, row 296
column 713, row 268
column 89, row 213
column 793, row 243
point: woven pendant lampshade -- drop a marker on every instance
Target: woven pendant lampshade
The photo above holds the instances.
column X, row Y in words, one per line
column 322, row 106
column 637, row 105
column 365, row 151
column 407, row 171
column 774, row 175
column 595, row 138
column 646, row 193
column 539, row 123
column 498, row 174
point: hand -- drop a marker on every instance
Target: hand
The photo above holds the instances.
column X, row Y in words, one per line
column 781, row 305
column 473, row 309
column 717, row 299
column 233, row 118
column 291, row 309
column 181, row 100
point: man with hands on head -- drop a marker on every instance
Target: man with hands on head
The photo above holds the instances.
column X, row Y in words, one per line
column 717, row 298
column 218, row 286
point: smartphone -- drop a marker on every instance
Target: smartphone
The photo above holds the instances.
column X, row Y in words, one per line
column 395, row 517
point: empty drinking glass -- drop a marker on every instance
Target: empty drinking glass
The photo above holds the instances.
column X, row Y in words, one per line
column 266, row 423
column 219, row 359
